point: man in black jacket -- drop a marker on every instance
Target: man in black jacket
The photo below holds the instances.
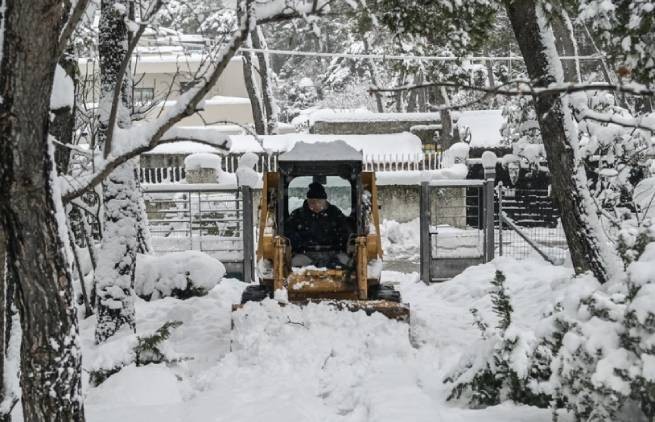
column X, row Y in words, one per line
column 318, row 232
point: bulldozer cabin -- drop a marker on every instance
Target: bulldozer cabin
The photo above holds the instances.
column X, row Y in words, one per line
column 319, row 233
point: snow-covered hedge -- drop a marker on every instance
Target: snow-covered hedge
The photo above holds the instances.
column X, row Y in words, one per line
column 593, row 354
column 176, row 274
column 501, row 365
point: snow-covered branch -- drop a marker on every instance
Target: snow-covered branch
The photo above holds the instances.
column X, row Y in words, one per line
column 76, row 186
column 281, row 10
column 641, row 122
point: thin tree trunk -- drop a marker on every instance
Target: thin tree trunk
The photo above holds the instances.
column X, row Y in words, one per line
column 412, row 99
column 50, row 353
column 399, row 94
column 253, row 92
column 445, row 118
column 270, row 109
column 586, row 242
column 373, row 74
column 63, row 123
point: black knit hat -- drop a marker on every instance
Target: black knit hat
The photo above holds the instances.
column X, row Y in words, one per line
column 316, row 191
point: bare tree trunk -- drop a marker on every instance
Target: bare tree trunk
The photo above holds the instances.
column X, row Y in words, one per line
column 586, row 242
column 253, row 92
column 270, row 109
column 50, row 354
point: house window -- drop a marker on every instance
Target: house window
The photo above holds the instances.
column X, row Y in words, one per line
column 185, row 85
column 143, row 95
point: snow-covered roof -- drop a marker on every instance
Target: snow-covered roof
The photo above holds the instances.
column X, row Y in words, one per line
column 324, row 151
column 379, row 147
column 403, row 143
column 159, row 63
column 484, row 125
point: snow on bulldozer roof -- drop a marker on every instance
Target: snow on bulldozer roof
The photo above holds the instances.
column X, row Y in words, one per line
column 337, row 150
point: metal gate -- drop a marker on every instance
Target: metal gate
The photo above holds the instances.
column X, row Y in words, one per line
column 214, row 219
column 456, row 225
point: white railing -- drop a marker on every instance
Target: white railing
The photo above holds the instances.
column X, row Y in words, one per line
column 372, row 162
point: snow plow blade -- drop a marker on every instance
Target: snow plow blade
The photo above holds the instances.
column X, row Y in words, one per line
column 390, row 309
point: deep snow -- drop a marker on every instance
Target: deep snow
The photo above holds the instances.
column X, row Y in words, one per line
column 315, row 363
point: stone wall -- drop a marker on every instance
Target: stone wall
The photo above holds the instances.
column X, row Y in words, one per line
column 425, row 129
column 401, row 203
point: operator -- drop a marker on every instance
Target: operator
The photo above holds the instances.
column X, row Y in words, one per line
column 318, row 232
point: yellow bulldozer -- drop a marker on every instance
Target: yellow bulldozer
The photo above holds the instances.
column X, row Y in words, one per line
column 354, row 285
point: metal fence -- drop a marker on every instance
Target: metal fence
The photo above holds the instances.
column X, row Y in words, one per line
column 211, row 219
column 456, row 226
column 528, row 224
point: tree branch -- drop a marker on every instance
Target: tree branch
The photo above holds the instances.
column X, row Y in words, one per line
column 142, row 138
column 643, row 122
column 288, row 13
column 525, row 88
column 102, row 172
column 70, row 26
column 113, row 115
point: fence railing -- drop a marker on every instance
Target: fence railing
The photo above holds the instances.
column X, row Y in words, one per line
column 211, row 219
column 268, row 162
column 529, row 224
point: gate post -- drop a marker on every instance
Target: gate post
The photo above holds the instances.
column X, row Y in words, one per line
column 489, row 163
column 425, row 217
column 247, row 235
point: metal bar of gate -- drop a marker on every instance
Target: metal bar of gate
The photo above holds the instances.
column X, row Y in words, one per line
column 247, row 235
column 500, row 220
column 425, row 219
column 489, row 164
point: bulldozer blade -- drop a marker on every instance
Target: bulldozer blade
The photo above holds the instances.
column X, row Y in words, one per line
column 392, row 310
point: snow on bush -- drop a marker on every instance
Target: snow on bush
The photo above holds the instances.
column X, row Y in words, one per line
column 246, row 175
column 592, row 354
column 456, row 154
column 176, row 274
column 202, row 160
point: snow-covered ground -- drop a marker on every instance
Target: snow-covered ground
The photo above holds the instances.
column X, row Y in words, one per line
column 316, row 363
